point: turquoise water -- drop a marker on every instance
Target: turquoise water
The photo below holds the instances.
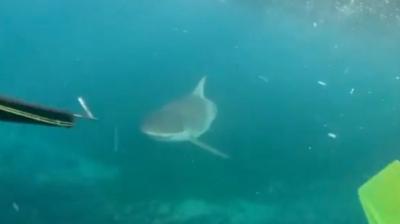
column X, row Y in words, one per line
column 263, row 60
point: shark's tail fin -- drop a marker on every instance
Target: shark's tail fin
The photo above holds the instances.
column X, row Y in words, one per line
column 209, row 148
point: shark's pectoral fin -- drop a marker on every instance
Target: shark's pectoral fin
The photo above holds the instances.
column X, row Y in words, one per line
column 208, row 148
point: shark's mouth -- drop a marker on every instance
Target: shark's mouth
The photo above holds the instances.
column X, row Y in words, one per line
column 179, row 136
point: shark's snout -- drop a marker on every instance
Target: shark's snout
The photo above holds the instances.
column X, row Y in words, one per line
column 144, row 128
column 154, row 131
column 149, row 130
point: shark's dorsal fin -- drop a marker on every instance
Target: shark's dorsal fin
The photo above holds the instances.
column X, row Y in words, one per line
column 199, row 90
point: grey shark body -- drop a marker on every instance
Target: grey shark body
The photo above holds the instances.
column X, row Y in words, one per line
column 185, row 119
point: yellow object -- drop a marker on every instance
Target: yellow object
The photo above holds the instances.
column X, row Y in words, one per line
column 380, row 196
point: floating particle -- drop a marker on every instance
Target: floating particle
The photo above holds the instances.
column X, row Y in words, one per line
column 322, row 83
column 332, row 135
column 397, row 77
column 309, row 148
column 351, row 91
column 15, row 206
column 315, row 24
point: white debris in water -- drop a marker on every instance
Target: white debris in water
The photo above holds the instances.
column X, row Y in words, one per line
column 322, row 83
column 315, row 24
column 397, row 77
column 351, row 91
column 83, row 104
column 332, row 135
column 309, row 148
column 263, row 78
column 116, row 140
column 15, row 206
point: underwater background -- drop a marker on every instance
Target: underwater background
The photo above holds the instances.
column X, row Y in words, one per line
column 308, row 96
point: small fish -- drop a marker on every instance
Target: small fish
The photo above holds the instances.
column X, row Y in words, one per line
column 263, row 78
column 322, row 83
column 332, row 135
column 15, row 206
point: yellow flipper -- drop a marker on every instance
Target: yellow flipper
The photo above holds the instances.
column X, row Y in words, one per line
column 380, row 196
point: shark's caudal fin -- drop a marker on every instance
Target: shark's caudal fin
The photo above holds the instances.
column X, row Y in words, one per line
column 199, row 90
column 208, row 148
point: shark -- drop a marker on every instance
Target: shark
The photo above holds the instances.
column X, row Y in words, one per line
column 184, row 120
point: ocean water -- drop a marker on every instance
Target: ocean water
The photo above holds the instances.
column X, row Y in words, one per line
column 284, row 75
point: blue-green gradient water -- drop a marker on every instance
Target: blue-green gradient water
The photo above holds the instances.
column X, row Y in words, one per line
column 263, row 60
